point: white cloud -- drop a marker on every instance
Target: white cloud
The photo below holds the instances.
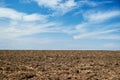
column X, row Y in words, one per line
column 66, row 7
column 93, row 26
column 81, row 27
column 24, row 29
column 34, row 17
column 100, row 16
column 58, row 6
column 92, row 3
column 48, row 3
column 61, row 7
column 11, row 14
column 94, row 34
column 87, row 2
column 15, row 15
column 21, row 24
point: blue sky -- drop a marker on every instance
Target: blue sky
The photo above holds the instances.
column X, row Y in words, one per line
column 60, row 24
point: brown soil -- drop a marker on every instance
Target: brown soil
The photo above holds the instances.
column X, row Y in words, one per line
column 59, row 65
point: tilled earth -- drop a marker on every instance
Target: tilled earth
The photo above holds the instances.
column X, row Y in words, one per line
column 59, row 65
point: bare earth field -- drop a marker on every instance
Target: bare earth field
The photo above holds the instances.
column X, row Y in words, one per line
column 59, row 65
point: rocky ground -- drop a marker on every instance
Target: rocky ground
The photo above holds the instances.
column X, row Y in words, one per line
column 59, row 65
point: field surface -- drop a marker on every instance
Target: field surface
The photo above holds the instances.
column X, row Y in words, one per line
column 59, row 65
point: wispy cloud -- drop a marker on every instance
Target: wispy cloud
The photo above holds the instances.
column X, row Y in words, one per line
column 92, row 3
column 100, row 16
column 61, row 7
column 94, row 34
column 57, row 6
column 15, row 15
column 93, row 26
column 21, row 24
